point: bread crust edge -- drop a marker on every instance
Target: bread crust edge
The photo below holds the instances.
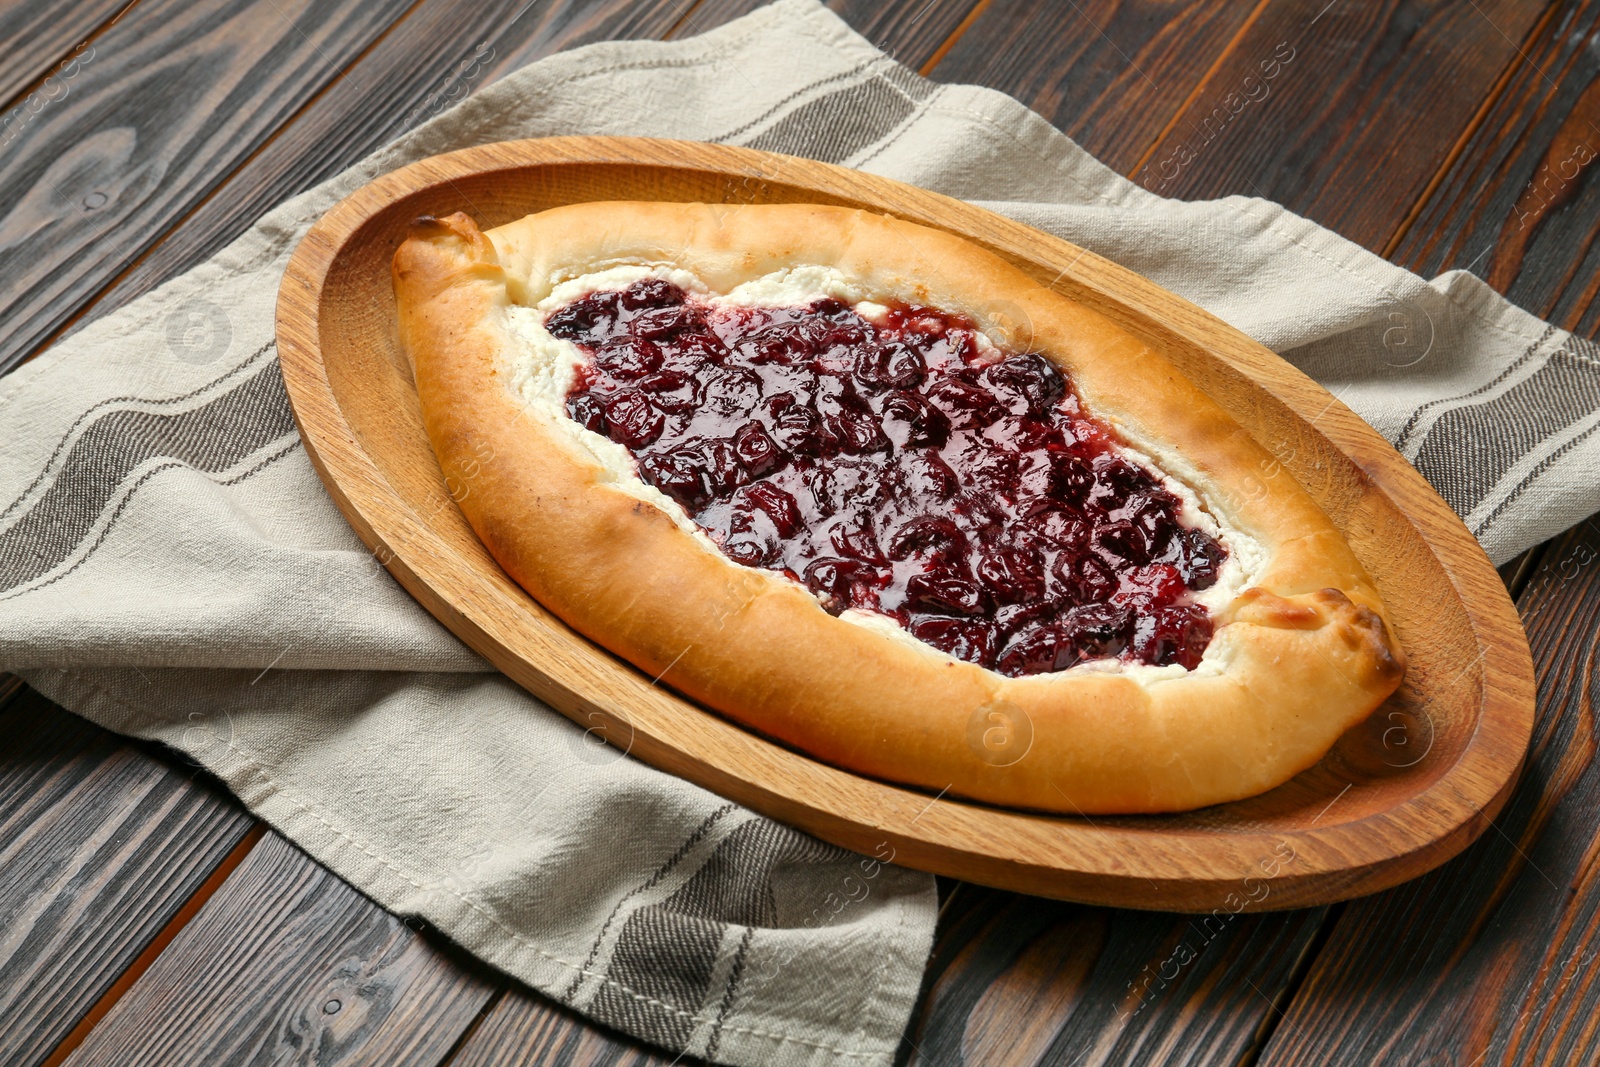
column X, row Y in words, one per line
column 1307, row 648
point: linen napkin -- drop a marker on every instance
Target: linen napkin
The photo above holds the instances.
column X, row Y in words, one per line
column 171, row 568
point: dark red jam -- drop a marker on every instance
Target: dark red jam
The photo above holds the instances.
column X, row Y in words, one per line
column 890, row 466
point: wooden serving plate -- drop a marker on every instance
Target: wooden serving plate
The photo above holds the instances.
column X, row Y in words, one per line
column 1396, row 796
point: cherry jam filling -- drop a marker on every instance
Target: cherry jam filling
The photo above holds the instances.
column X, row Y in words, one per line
column 891, row 466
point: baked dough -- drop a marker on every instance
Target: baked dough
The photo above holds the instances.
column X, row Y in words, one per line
column 1299, row 655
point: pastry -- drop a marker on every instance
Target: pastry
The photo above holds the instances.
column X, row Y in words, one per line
column 866, row 488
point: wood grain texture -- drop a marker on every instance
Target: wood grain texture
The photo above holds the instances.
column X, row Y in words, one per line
column 913, row 33
column 1491, row 958
column 358, row 415
column 1520, row 207
column 40, row 40
column 1022, row 981
column 100, row 845
column 525, row 1027
column 1516, row 571
column 286, row 964
column 570, row 23
column 1110, row 73
column 426, row 63
column 1315, row 99
column 177, row 96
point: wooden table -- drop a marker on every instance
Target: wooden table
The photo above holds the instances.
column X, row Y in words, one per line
column 145, row 917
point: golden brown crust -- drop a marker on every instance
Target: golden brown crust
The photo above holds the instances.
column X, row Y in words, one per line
column 1299, row 657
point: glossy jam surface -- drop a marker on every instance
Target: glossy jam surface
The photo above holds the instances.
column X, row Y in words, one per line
column 896, row 467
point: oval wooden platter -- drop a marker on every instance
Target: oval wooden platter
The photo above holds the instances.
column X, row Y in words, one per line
column 1396, row 796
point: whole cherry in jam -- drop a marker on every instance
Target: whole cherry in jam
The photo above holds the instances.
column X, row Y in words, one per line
column 898, row 466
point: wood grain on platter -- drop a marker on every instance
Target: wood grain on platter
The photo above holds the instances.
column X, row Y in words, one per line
column 1396, row 797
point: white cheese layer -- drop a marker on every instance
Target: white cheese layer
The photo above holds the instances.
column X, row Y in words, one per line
column 543, row 368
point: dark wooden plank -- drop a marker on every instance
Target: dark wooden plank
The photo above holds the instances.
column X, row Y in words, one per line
column 1020, row 980
column 1490, row 959
column 286, row 964
column 431, row 60
column 1357, row 91
column 579, row 22
column 1516, row 571
column 918, row 34
column 914, row 33
column 1520, row 207
column 526, row 1027
column 1111, row 73
column 46, row 47
column 178, row 95
column 101, row 844
column 428, row 62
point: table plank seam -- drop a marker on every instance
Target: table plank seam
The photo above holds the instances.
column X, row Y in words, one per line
column 36, row 84
column 1491, row 98
column 1285, row 997
column 949, row 42
column 1527, row 566
column 1199, row 88
column 477, row 1021
column 141, row 963
column 92, row 300
column 685, row 19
